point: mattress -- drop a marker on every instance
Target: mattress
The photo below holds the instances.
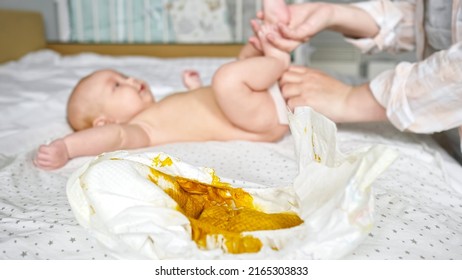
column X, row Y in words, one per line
column 418, row 199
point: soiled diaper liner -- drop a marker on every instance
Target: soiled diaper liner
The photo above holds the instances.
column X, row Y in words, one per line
column 134, row 219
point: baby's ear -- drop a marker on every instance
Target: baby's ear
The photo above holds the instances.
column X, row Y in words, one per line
column 100, row 121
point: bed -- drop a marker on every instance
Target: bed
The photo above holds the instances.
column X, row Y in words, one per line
column 418, row 199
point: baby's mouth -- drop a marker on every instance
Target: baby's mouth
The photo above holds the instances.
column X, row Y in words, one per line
column 143, row 90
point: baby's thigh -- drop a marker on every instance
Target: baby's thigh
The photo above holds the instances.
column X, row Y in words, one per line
column 246, row 107
column 251, row 111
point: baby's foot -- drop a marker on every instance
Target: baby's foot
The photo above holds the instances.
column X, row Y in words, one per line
column 271, row 50
column 191, row 79
column 256, row 27
column 276, row 11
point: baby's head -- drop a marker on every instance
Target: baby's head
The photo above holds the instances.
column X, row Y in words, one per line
column 106, row 96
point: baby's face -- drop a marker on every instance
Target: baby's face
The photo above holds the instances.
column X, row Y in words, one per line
column 120, row 97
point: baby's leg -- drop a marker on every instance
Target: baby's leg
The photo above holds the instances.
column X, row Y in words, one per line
column 269, row 49
column 241, row 87
column 275, row 11
column 191, row 79
column 249, row 50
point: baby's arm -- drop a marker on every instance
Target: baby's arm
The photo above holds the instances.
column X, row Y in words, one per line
column 90, row 142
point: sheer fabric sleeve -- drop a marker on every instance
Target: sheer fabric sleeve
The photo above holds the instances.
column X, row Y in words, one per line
column 396, row 21
column 423, row 97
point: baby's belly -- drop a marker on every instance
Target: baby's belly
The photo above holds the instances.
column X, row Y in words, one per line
column 196, row 116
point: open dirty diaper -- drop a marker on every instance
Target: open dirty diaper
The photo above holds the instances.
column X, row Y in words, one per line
column 152, row 205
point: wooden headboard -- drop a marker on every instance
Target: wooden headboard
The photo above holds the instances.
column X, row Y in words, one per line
column 20, row 32
column 23, row 32
column 158, row 50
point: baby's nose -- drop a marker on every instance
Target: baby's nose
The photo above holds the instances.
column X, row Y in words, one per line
column 130, row 80
column 138, row 85
column 134, row 82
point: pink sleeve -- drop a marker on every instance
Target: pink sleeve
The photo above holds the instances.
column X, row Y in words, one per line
column 423, row 97
column 396, row 22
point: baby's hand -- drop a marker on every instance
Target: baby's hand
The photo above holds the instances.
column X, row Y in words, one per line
column 52, row 156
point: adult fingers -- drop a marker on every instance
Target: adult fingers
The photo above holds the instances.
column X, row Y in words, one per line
column 306, row 26
column 297, row 69
column 296, row 101
column 290, row 77
column 291, row 90
column 296, row 34
column 282, row 43
column 306, row 72
column 298, row 74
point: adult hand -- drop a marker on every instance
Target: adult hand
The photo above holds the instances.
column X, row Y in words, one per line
column 52, row 156
column 302, row 86
column 306, row 20
column 274, row 37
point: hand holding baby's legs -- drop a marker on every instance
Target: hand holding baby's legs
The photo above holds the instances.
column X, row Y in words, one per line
column 274, row 12
column 277, row 13
column 269, row 49
column 52, row 156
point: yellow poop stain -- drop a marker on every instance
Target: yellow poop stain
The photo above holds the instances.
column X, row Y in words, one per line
column 162, row 162
column 221, row 211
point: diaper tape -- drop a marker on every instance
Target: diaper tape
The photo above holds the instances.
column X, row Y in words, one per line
column 280, row 103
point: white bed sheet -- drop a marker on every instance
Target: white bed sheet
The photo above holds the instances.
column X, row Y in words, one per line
column 418, row 200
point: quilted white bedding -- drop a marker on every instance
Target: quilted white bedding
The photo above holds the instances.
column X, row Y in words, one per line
column 418, row 200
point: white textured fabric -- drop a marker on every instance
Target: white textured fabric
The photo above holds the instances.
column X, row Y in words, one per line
column 418, row 200
column 426, row 96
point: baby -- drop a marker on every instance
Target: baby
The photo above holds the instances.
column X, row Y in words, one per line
column 110, row 111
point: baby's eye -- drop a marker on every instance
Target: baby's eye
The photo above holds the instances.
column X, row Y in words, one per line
column 117, row 84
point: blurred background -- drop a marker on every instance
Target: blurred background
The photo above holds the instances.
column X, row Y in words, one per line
column 96, row 22
column 190, row 21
